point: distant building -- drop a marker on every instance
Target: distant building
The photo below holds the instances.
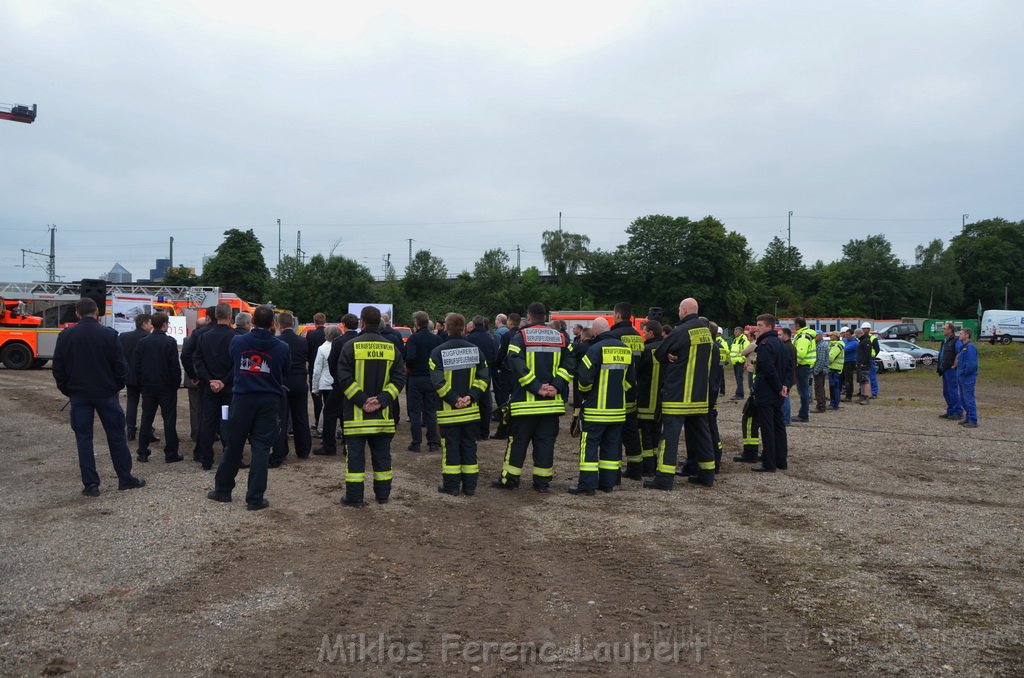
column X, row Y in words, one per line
column 118, row 274
column 157, row 274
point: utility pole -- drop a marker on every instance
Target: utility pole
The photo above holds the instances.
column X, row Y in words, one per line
column 789, row 240
column 559, row 221
column 410, row 251
column 170, row 255
column 387, row 264
column 51, row 269
column 963, row 220
column 518, row 252
column 278, row 243
column 51, row 258
column 300, row 256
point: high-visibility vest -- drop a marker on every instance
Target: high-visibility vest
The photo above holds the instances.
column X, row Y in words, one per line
column 723, row 351
column 739, row 344
column 806, row 347
column 836, row 355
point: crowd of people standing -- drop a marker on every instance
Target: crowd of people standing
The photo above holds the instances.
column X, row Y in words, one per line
column 635, row 393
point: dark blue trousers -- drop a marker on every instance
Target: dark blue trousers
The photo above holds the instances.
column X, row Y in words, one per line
column 112, row 417
column 252, row 417
column 737, row 371
column 421, row 399
column 951, row 392
column 803, row 387
column 835, row 379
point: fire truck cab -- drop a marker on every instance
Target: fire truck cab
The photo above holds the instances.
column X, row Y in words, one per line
column 24, row 343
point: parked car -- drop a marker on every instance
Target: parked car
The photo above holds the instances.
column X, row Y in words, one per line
column 896, row 361
column 906, row 331
column 923, row 356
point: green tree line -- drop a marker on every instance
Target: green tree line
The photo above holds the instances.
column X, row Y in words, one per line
column 663, row 260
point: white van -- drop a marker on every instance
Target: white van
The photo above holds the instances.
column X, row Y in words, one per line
column 1006, row 326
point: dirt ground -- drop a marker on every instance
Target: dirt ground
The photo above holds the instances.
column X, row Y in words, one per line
column 891, row 546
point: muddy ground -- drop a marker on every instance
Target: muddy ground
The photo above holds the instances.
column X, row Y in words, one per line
column 892, row 545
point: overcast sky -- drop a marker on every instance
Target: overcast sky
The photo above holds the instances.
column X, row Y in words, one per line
column 470, row 125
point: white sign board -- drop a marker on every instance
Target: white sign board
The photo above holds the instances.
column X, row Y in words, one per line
column 176, row 328
column 124, row 308
column 356, row 309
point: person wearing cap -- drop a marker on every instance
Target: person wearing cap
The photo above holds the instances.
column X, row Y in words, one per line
column 736, row 356
column 836, row 354
column 819, row 371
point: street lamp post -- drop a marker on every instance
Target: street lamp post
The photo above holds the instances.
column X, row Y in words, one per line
column 963, row 220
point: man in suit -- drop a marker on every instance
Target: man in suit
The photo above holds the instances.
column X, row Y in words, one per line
column 129, row 340
column 294, row 402
column 215, row 372
column 159, row 372
column 204, row 323
column 89, row 368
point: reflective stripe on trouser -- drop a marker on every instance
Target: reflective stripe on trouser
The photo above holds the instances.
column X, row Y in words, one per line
column 751, row 442
column 700, row 455
column 716, row 439
column 380, row 458
column 599, row 455
column 541, row 430
column 458, row 456
column 632, row 445
column 650, row 441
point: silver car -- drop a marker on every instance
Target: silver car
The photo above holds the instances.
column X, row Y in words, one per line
column 923, row 356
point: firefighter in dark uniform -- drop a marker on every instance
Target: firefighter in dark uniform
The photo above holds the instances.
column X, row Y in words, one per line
column 750, row 431
column 718, row 358
column 648, row 398
column 371, row 374
column 540, row 363
column 686, row 356
column 624, row 331
column 459, row 374
column 605, row 376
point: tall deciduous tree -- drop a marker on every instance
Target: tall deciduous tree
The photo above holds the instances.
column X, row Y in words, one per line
column 426, row 275
column 180, row 276
column 987, row 255
column 935, row 286
column 564, row 253
column 325, row 285
column 238, row 266
column 872, row 279
column 494, row 280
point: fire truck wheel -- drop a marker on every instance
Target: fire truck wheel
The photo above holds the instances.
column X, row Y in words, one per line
column 16, row 357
